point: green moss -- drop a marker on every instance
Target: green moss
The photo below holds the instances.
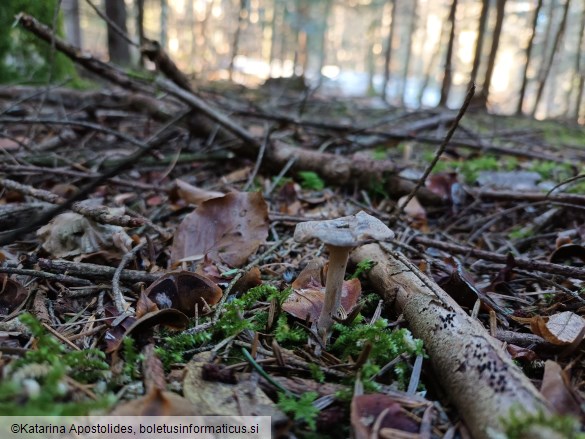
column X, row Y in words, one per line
column 363, row 267
column 173, row 348
column 301, row 409
column 311, row 180
column 520, row 424
column 37, row 385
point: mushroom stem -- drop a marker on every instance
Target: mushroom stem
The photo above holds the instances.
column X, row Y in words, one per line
column 338, row 257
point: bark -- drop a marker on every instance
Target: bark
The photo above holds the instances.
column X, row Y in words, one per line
column 528, row 57
column 446, row 86
column 548, row 65
column 485, row 92
column 479, row 377
column 485, row 6
column 118, row 47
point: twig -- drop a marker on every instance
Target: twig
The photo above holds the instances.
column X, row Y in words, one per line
column 440, row 151
column 148, row 146
column 99, row 214
column 116, row 290
column 63, row 278
column 258, row 160
column 94, row 271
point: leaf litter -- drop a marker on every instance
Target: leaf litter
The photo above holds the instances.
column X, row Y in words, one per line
column 231, row 300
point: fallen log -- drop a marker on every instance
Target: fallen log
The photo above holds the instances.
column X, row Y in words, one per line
column 479, row 377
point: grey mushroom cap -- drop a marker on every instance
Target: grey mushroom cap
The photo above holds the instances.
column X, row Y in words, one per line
column 347, row 231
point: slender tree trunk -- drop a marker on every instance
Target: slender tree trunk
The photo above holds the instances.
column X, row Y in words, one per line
column 558, row 37
column 236, row 42
column 192, row 32
column 139, row 10
column 118, row 47
column 500, row 9
column 164, row 24
column 276, row 26
column 446, row 87
column 485, row 6
column 432, row 63
column 388, row 53
column 408, row 45
column 71, row 19
column 579, row 76
column 323, row 39
column 528, row 55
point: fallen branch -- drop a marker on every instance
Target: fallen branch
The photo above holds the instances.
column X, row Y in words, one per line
column 478, row 375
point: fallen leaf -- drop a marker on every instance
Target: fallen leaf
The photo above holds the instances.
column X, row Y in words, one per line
column 184, row 291
column 170, row 318
column 380, row 411
column 308, row 295
column 559, row 329
column 71, row 234
column 227, row 229
column 244, row 398
column 193, row 194
column 12, row 295
column 556, row 388
column 156, row 403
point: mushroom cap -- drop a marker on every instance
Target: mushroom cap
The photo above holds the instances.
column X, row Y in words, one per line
column 347, row 231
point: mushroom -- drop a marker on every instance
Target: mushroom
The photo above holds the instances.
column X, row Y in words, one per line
column 340, row 236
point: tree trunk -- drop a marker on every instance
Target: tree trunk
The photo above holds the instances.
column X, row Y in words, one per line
column 164, row 24
column 485, row 92
column 485, row 6
column 236, row 42
column 71, row 18
column 446, row 87
column 528, row 55
column 388, row 53
column 579, row 76
column 408, row 45
column 139, row 5
column 323, row 37
column 118, row 47
column 548, row 65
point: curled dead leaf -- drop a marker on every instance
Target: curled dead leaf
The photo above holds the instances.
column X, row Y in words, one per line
column 12, row 295
column 170, row 318
column 71, row 234
column 560, row 329
column 184, row 291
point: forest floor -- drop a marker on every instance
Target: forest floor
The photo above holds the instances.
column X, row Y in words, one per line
column 168, row 280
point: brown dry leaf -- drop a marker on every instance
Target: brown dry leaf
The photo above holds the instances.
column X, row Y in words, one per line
column 381, row 411
column 170, row 318
column 227, row 229
column 71, row 234
column 556, row 388
column 193, row 194
column 184, row 291
column 156, row 403
column 12, row 295
column 306, row 300
column 218, row 398
column 144, row 305
column 559, row 329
